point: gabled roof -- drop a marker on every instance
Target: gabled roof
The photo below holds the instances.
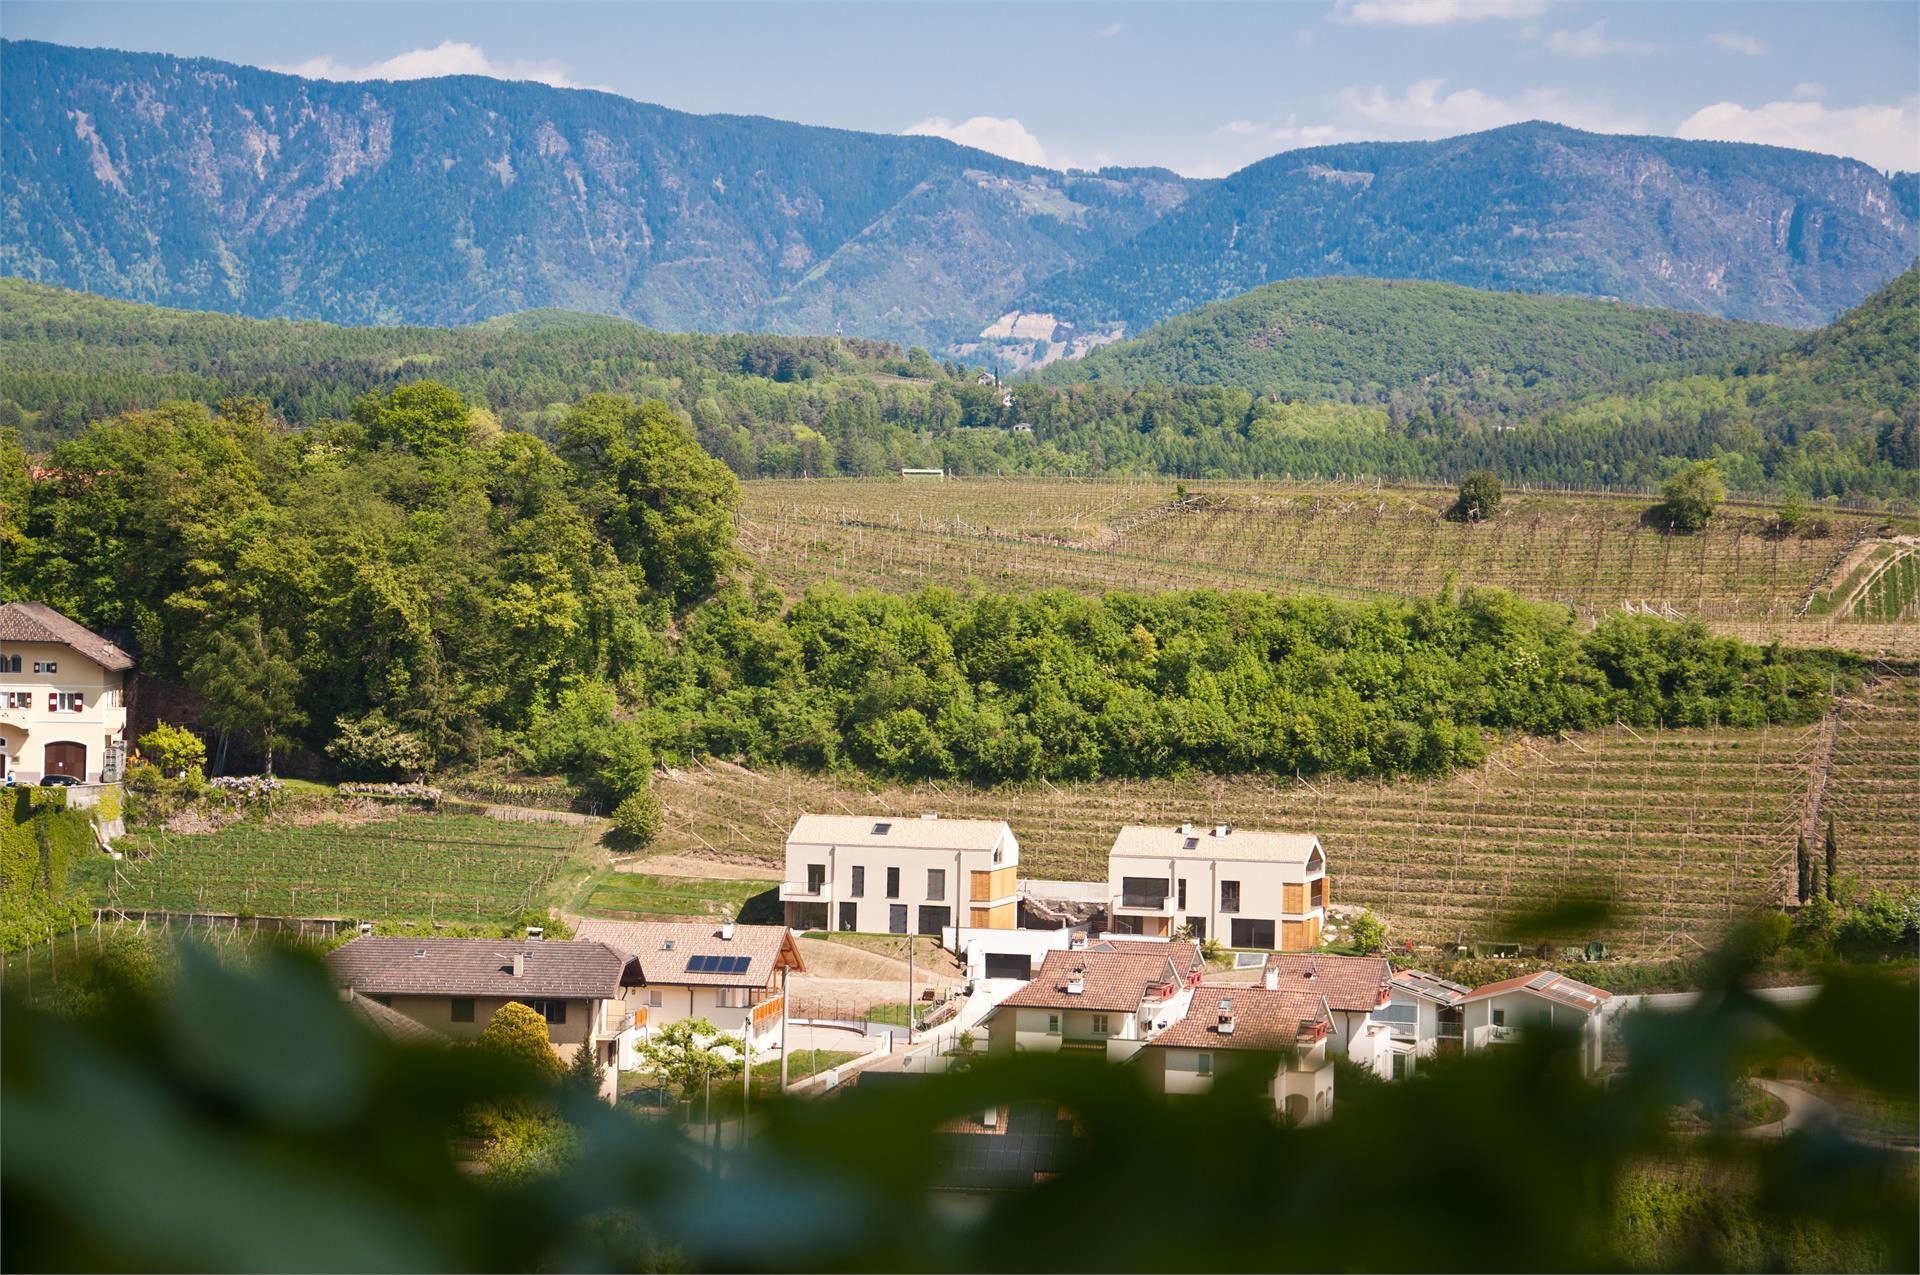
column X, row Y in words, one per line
column 685, row 953
column 375, row 965
column 1116, row 980
column 38, row 622
column 392, row 1023
column 1550, row 986
column 1347, row 982
column 1430, row 987
column 1168, row 841
column 1261, row 1019
column 892, row 831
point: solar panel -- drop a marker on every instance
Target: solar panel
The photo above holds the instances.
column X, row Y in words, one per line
column 1539, row 981
column 718, row 964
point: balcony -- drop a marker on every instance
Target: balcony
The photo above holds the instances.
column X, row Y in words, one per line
column 1492, row 1034
column 1144, row 902
column 614, row 1021
column 802, row 889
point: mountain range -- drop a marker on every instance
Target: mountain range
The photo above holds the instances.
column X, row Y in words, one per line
column 197, row 183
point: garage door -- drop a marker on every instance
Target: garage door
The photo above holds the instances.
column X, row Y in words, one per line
column 67, row 759
column 1005, row 966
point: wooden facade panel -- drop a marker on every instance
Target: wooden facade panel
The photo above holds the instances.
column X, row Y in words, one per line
column 1294, row 936
column 1293, row 899
column 997, row 884
column 994, row 918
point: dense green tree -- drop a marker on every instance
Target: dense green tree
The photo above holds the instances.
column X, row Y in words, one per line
column 1689, row 498
column 1479, row 497
column 517, row 1031
column 251, row 685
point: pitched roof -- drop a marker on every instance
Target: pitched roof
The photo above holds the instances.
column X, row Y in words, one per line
column 664, row 950
column 1262, row 1019
column 1430, row 986
column 391, row 1022
column 892, row 831
column 1166, row 841
column 375, row 965
column 38, row 622
column 1348, row 982
column 1548, row 985
column 1116, row 980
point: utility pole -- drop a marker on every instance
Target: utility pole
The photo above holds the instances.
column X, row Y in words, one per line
column 746, row 1072
column 785, row 1010
column 910, row 938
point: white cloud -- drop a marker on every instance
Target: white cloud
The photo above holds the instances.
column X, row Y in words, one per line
column 450, row 57
column 1005, row 137
column 1424, row 111
column 1593, row 42
column 1885, row 136
column 1110, row 30
column 1810, row 88
column 1740, row 42
column 1432, row 13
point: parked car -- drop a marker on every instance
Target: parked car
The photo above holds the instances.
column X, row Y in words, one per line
column 58, row 781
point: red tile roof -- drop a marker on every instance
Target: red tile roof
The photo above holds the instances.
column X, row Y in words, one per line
column 1261, row 1019
column 1116, row 980
column 1348, row 982
column 1548, row 985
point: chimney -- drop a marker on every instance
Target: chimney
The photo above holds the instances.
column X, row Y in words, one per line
column 366, row 927
column 1226, row 1018
column 1273, row 977
column 929, row 814
column 1077, row 941
column 726, row 931
column 1186, row 828
column 1313, row 967
column 1077, row 983
column 537, row 933
column 1221, row 829
column 519, row 964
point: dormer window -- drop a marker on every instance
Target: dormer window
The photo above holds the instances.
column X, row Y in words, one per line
column 882, row 829
column 46, row 666
column 9, row 664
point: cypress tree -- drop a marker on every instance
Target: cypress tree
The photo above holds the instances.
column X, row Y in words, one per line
column 1805, row 866
column 1833, row 858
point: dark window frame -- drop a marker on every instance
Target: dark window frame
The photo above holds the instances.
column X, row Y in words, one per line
column 460, row 1009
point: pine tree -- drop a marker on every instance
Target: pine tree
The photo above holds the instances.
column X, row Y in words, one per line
column 1805, row 866
column 1833, row 859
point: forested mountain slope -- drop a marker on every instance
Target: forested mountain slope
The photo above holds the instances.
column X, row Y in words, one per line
column 191, row 182
column 1415, row 346
column 1749, row 232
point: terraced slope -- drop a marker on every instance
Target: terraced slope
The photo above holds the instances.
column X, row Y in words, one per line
column 1873, row 786
column 1593, row 552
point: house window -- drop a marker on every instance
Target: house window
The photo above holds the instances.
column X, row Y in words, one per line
column 849, row 917
column 936, row 883
column 1198, row 926
column 1053, row 1024
column 896, row 918
column 19, row 699
column 893, row 883
column 1180, row 895
column 1203, row 1063
column 998, row 854
column 1499, row 1018
column 1319, row 892
column 816, row 877
column 66, row 701
column 553, row 1011
column 859, row 886
column 654, row 999
column 1399, row 1066
column 1229, row 896
column 9, row 664
column 46, row 666
column 1100, row 1027
column 460, row 1009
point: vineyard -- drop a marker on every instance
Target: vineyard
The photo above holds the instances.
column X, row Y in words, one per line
column 1683, row 830
column 1595, row 553
column 421, row 867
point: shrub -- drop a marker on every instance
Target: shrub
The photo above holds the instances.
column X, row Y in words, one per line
column 517, row 1031
column 585, row 1073
column 374, row 747
column 639, row 817
column 174, row 749
column 1690, row 496
column 1479, row 499
column 1367, row 932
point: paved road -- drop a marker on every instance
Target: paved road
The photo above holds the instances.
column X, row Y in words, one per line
column 1686, row 1000
column 1804, row 1111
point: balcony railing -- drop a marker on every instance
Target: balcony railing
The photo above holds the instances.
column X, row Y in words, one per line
column 810, row 889
column 615, row 1021
column 1155, row 902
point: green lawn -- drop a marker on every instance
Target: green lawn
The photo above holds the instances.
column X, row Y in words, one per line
column 641, row 895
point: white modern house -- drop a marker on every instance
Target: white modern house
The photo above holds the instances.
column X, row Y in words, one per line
column 1243, row 887
column 883, row 875
column 63, row 708
column 1500, row 1012
column 1425, row 1019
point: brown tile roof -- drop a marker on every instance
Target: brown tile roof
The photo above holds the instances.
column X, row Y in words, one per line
column 1548, row 985
column 766, row 947
column 374, row 965
column 38, row 622
column 392, row 1023
column 1116, row 980
column 1348, row 982
column 1262, row 1019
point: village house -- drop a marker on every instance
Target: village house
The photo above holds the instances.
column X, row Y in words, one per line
column 1425, row 1018
column 1497, row 1013
column 734, row 976
column 63, row 709
column 1241, row 887
column 1109, row 996
column 882, row 875
column 1356, row 992
column 456, row 986
column 1288, row 1029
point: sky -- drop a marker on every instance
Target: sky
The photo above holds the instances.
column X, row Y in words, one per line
column 1200, row 88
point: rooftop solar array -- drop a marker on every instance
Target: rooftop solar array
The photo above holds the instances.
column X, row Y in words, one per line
column 718, row 964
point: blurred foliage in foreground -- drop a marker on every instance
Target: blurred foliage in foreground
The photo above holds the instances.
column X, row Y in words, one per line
column 235, row 1116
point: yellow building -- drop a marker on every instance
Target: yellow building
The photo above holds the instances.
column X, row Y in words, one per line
column 63, row 708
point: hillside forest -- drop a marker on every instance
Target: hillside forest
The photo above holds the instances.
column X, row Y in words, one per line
column 1834, row 414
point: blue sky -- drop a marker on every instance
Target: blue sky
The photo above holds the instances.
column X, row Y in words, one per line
column 1202, row 88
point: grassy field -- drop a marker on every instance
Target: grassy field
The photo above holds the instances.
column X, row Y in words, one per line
column 1684, row 830
column 639, row 896
column 1594, row 553
column 437, row 867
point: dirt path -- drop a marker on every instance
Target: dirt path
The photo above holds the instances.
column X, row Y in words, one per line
column 827, row 959
column 682, row 865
